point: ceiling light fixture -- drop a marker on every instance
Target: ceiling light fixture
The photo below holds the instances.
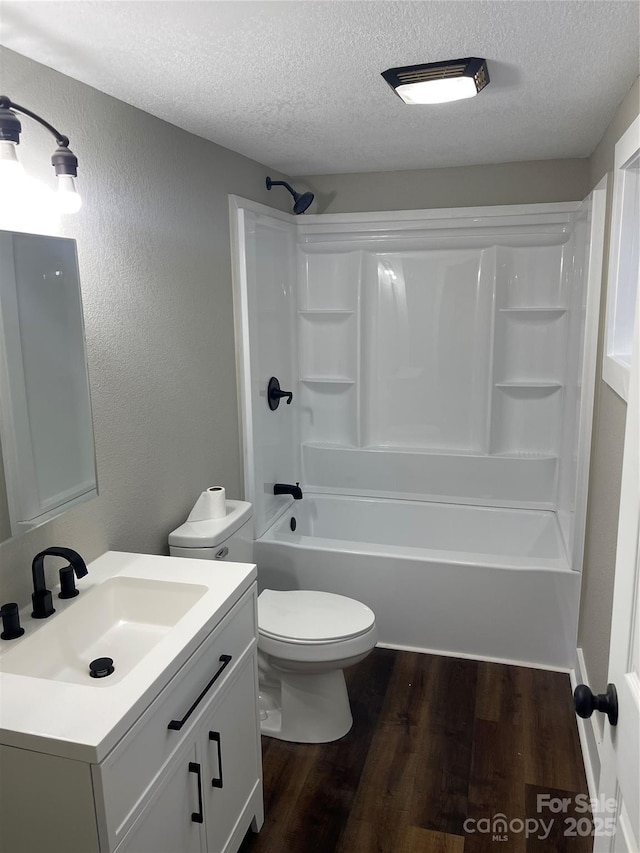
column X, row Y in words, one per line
column 63, row 160
column 439, row 82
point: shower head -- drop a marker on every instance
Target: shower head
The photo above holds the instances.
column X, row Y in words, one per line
column 301, row 201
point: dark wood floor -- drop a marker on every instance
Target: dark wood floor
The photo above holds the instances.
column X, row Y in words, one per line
column 436, row 742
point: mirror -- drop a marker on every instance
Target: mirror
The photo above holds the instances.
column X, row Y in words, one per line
column 46, row 431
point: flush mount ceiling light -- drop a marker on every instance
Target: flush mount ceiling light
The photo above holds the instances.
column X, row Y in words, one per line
column 439, row 82
column 63, row 160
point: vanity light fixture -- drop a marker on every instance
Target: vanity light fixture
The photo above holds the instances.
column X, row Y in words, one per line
column 439, row 82
column 63, row 160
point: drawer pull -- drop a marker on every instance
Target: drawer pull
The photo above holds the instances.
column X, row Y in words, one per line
column 217, row 783
column 197, row 817
column 222, row 553
column 176, row 725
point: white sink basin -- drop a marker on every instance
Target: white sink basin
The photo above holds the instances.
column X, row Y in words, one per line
column 122, row 618
column 149, row 613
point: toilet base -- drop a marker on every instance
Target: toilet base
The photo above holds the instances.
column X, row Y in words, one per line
column 303, row 707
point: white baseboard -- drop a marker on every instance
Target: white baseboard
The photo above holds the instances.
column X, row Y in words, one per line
column 465, row 656
column 588, row 731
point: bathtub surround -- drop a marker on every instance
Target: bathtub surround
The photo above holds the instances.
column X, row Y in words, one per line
column 436, row 357
column 153, row 249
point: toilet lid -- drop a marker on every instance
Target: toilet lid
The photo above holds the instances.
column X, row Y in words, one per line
column 311, row 616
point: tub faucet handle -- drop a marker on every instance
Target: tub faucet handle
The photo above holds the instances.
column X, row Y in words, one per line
column 275, row 393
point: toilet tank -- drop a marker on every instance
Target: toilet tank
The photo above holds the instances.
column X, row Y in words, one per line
column 228, row 538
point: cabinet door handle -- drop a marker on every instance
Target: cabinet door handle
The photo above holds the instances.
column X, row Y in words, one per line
column 217, row 783
column 176, row 725
column 197, row 817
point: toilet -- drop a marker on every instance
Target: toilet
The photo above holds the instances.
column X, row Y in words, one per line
column 306, row 638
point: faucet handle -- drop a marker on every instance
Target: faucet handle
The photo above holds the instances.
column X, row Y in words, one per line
column 67, row 583
column 10, row 621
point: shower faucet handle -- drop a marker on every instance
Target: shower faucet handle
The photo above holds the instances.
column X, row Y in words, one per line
column 275, row 393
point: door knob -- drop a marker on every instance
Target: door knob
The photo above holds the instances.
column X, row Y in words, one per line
column 587, row 702
column 274, row 393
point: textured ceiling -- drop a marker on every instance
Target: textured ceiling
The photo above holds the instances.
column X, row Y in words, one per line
column 297, row 85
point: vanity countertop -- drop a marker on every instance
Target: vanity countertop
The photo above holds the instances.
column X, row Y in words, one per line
column 85, row 721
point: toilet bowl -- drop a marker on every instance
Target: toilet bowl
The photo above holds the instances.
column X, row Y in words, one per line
column 306, row 638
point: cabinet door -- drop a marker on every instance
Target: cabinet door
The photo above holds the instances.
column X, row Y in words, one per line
column 172, row 820
column 230, row 758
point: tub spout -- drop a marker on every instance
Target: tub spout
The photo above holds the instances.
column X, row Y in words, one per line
column 288, row 489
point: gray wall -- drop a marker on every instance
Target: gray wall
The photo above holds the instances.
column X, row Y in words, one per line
column 607, row 445
column 153, row 246
column 467, row 186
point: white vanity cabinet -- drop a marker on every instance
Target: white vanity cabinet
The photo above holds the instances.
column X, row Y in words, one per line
column 185, row 777
column 211, row 791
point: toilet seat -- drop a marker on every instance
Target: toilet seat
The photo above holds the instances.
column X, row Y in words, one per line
column 310, row 617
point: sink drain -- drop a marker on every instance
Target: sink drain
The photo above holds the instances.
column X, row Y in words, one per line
column 101, row 667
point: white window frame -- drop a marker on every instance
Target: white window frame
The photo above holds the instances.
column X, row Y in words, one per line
column 624, row 269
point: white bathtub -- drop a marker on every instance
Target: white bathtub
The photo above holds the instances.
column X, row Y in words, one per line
column 475, row 581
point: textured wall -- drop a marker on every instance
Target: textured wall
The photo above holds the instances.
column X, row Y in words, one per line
column 463, row 186
column 606, row 457
column 153, row 246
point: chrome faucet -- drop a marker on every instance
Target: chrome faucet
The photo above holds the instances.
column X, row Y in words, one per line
column 41, row 597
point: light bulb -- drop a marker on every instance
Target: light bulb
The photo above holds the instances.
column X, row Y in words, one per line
column 68, row 197
column 11, row 169
column 438, row 91
column 28, row 205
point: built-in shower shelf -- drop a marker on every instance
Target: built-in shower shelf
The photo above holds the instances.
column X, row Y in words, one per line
column 329, row 312
column 524, row 454
column 327, row 380
column 529, row 388
column 534, row 313
column 330, row 445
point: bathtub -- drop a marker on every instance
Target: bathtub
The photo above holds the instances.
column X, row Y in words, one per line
column 480, row 582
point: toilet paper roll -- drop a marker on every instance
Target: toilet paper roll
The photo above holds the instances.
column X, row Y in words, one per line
column 212, row 503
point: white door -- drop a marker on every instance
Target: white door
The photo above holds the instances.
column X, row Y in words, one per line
column 620, row 774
